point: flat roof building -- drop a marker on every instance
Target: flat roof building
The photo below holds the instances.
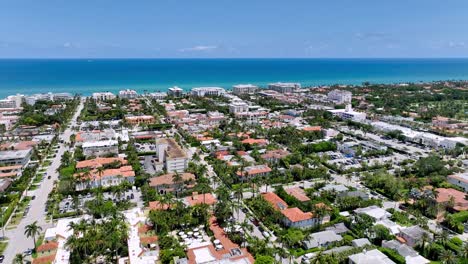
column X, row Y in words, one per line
column 208, row 91
column 284, row 87
column 244, row 89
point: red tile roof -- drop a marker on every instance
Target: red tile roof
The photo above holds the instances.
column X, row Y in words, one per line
column 444, row 194
column 312, row 128
column 252, row 141
column 98, row 162
column 254, row 170
column 275, row 200
column 47, row 246
column 206, row 198
column 44, row 260
column 298, row 193
column 169, row 179
column 296, row 215
column 157, row 206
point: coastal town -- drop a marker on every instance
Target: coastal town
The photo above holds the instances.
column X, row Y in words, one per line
column 358, row 174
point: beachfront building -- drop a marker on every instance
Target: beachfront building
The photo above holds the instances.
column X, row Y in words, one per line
column 284, row 87
column 175, row 91
column 340, row 96
column 158, row 95
column 171, row 154
column 12, row 101
column 103, row 96
column 32, row 99
column 244, row 89
column 128, row 94
column 238, row 107
column 208, row 91
column 100, row 148
column 348, row 114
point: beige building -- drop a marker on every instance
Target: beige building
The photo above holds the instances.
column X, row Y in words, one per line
column 171, row 154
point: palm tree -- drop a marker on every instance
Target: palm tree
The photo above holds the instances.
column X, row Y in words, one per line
column 33, row 230
column 464, row 251
column 19, row 259
column 177, row 179
column 119, row 191
column 100, row 172
column 423, row 243
column 448, row 257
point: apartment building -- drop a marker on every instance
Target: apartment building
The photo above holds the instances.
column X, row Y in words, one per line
column 103, row 96
column 284, row 87
column 175, row 91
column 340, row 96
column 171, row 154
column 244, row 89
column 208, row 91
column 238, row 107
column 128, row 94
column 143, row 119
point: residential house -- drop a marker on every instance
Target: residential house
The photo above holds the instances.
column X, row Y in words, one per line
column 321, row 239
column 165, row 183
column 413, row 235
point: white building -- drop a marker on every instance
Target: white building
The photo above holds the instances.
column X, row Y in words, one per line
column 460, row 180
column 103, row 96
column 12, row 101
column 284, row 87
column 100, row 148
column 340, row 96
column 244, row 89
column 128, row 94
column 348, row 114
column 208, row 91
column 171, row 154
column 15, row 157
column 158, row 96
column 238, row 107
column 175, row 91
column 372, row 256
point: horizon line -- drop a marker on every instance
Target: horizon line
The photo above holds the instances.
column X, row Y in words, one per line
column 230, row 58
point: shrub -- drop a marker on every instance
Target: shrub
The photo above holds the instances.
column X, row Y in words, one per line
column 393, row 255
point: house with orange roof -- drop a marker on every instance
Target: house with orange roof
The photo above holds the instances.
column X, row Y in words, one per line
column 46, row 252
column 312, row 128
column 165, row 183
column 99, row 162
column 204, row 198
column 109, row 177
column 292, row 217
column 254, row 171
column 253, row 141
column 297, row 193
column 273, row 156
column 142, row 119
column 446, row 195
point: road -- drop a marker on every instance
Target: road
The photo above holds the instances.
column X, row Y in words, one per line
column 18, row 242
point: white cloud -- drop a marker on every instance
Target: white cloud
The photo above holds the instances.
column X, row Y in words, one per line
column 199, row 48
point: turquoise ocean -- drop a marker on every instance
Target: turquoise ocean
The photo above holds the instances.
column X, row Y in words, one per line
column 85, row 76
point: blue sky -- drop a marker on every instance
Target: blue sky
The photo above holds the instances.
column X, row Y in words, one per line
column 233, row 28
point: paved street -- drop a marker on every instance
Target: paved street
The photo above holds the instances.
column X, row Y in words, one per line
column 18, row 242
